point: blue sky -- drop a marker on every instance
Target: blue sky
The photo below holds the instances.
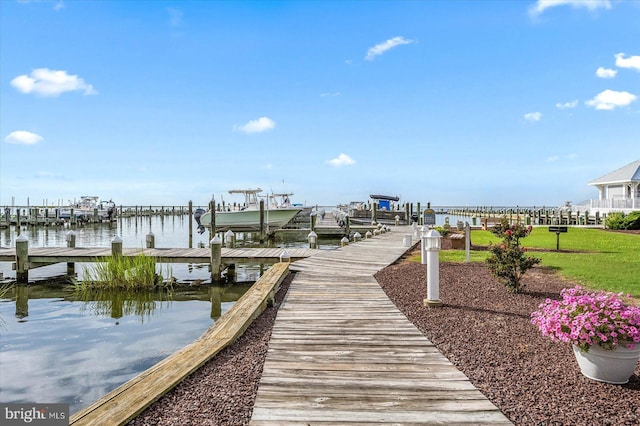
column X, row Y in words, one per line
column 452, row 102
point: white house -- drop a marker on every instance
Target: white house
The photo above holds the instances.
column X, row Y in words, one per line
column 618, row 190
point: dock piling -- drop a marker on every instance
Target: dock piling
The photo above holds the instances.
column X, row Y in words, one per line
column 71, row 242
column 22, row 259
column 216, row 258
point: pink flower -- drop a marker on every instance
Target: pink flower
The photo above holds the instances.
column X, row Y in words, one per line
column 508, row 232
column 585, row 319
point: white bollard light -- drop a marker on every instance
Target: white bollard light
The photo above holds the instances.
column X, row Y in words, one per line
column 431, row 241
column 357, row 237
column 367, row 235
column 344, row 242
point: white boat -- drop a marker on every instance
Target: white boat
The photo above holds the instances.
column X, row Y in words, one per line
column 88, row 208
column 278, row 211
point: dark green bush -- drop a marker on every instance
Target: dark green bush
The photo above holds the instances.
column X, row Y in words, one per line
column 632, row 220
column 618, row 220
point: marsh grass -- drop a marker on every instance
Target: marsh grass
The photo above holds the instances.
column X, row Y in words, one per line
column 120, row 286
column 595, row 258
column 123, row 273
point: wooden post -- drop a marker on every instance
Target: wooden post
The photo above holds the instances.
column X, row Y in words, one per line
column 374, row 212
column 72, row 216
column 419, row 216
column 230, row 239
column 347, row 225
column 151, row 240
column 216, row 258
column 116, row 247
column 22, row 260
column 95, row 214
column 71, row 242
column 313, row 217
column 18, row 220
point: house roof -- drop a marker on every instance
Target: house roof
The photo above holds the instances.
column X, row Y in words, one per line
column 628, row 173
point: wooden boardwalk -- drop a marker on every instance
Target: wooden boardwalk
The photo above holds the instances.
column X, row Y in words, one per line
column 342, row 353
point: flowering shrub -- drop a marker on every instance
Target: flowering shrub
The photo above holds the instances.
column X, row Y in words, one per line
column 508, row 261
column 586, row 319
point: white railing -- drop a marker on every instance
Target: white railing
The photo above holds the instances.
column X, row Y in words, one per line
column 616, row 203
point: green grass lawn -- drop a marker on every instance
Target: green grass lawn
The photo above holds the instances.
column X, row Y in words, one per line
column 594, row 258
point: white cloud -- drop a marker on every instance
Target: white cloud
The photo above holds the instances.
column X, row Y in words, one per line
column 262, row 124
column 630, row 62
column 533, row 116
column 567, row 105
column 611, row 99
column 553, row 158
column 59, row 5
column 46, row 82
column 22, row 137
column 542, row 5
column 380, row 48
column 341, row 160
column 606, row 72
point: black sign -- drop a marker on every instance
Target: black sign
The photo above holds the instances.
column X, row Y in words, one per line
column 557, row 229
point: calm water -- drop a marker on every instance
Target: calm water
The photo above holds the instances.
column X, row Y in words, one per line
column 55, row 347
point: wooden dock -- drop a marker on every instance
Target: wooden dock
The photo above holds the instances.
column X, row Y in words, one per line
column 49, row 255
column 341, row 352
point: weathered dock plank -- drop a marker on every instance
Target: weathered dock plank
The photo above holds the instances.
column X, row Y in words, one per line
column 341, row 352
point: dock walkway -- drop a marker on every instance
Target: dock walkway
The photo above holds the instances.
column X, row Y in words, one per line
column 341, row 352
column 164, row 255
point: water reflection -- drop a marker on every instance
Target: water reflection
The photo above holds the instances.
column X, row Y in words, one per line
column 116, row 304
column 60, row 346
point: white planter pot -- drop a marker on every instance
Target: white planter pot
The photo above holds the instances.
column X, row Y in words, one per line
column 615, row 366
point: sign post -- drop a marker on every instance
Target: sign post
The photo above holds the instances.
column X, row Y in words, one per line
column 558, row 230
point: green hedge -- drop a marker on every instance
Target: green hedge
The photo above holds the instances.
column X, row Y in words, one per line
column 619, row 220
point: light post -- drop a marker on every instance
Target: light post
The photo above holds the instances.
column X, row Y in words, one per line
column 431, row 243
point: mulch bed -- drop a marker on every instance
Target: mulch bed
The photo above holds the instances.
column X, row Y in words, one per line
column 485, row 331
column 482, row 328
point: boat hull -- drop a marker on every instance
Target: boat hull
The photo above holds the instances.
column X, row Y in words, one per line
column 249, row 220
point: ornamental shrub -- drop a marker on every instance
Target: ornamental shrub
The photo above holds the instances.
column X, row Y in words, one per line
column 632, row 220
column 508, row 261
column 618, row 220
column 615, row 220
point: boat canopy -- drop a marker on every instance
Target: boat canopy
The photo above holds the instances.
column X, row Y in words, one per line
column 384, row 197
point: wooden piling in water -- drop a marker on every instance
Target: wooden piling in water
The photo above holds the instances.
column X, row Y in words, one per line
column 22, row 260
